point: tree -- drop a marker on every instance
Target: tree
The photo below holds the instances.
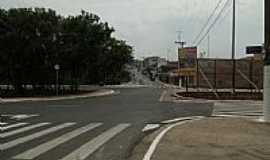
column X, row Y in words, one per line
column 32, row 41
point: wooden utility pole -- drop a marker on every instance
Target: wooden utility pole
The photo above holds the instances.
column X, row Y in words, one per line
column 208, row 43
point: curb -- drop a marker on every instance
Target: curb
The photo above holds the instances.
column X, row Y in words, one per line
column 214, row 101
column 94, row 94
column 173, row 123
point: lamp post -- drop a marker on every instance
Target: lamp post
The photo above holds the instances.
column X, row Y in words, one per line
column 57, row 68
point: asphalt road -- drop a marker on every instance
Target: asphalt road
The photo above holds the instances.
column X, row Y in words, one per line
column 92, row 128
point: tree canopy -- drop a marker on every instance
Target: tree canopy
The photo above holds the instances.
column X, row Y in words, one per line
column 32, row 41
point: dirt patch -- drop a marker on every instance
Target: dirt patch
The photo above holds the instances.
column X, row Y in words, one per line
column 222, row 95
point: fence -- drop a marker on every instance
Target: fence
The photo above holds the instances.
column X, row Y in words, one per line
column 218, row 74
column 248, row 74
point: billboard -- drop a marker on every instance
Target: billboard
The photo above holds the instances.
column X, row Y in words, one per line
column 187, row 57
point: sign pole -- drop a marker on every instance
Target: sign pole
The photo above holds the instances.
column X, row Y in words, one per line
column 233, row 49
column 57, row 67
column 266, row 105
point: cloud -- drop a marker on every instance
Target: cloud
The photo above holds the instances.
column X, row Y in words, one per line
column 151, row 25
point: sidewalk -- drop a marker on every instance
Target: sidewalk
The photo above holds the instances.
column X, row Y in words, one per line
column 98, row 93
column 216, row 138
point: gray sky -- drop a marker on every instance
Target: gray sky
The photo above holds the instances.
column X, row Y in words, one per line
column 151, row 25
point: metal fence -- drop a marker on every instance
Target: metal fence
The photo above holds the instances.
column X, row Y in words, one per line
column 218, row 74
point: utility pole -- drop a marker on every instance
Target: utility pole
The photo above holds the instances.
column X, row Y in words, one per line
column 233, row 49
column 182, row 44
column 208, row 46
column 266, row 104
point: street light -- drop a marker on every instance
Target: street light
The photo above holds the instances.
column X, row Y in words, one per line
column 57, row 68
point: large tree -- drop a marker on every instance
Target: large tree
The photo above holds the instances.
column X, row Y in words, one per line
column 32, row 41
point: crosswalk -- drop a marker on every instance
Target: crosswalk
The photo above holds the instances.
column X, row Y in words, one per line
column 7, row 119
column 18, row 117
column 24, row 133
column 12, row 126
column 251, row 109
column 24, row 129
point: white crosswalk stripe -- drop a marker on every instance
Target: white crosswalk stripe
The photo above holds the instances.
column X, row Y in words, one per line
column 21, row 140
column 35, row 152
column 23, row 116
column 3, row 123
column 251, row 109
column 24, row 129
column 12, row 126
column 19, row 116
column 82, row 152
column 90, row 147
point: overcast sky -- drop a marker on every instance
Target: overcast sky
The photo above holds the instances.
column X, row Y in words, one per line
column 151, row 25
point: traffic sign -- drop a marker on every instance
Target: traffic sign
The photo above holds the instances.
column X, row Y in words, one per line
column 254, row 50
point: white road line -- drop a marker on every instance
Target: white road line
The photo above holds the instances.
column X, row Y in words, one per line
column 35, row 152
column 90, row 147
column 21, row 140
column 176, row 120
column 181, row 119
column 12, row 126
column 2, row 123
column 11, row 133
column 156, row 141
column 150, row 127
column 23, row 116
column 161, row 99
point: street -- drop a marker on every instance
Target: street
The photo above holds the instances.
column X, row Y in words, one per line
column 90, row 128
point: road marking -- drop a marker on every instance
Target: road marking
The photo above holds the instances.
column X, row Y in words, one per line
column 176, row 120
column 12, row 126
column 20, row 116
column 242, row 113
column 150, row 127
column 180, row 119
column 34, row 136
column 161, row 99
column 35, row 152
column 2, row 123
column 11, row 133
column 23, row 116
column 90, row 147
column 156, row 141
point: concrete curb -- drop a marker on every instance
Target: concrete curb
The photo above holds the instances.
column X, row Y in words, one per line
column 175, row 98
column 172, row 124
column 126, row 86
column 99, row 93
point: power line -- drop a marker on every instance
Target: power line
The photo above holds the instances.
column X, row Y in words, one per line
column 214, row 22
column 208, row 21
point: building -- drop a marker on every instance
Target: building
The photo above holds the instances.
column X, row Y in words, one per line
column 151, row 66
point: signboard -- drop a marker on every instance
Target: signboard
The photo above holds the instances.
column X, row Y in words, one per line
column 254, row 50
column 187, row 72
column 187, row 57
